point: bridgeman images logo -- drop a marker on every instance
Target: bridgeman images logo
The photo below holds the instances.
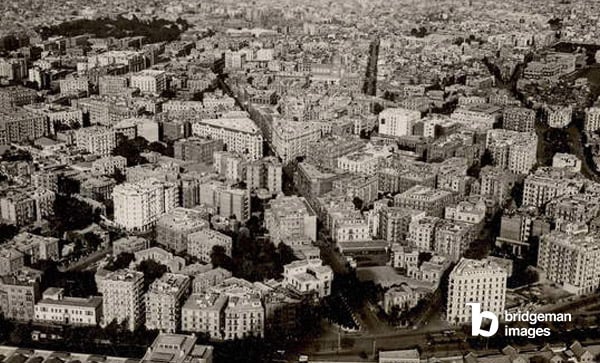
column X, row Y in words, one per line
column 529, row 317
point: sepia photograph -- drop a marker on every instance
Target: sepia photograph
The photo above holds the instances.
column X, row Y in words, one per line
column 288, row 181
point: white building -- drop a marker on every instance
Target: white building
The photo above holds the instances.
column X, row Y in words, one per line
column 397, row 121
column 291, row 139
column 238, row 134
column 592, row 119
column 512, row 150
column 558, row 116
column 55, row 308
column 164, row 301
column 308, row 276
column 150, row 81
column 98, row 140
column 568, row 161
column 475, row 281
column 123, row 298
column 139, row 205
column 109, row 164
column 571, row 260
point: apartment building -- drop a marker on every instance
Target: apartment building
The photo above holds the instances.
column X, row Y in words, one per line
column 97, row 140
column 149, row 81
column 290, row 216
column 164, row 300
column 266, row 174
column 512, row 150
column 200, row 244
column 237, row 134
column 549, row 183
column 18, row 125
column 452, row 239
column 19, row 292
column 174, row 228
column 108, row 165
column 291, row 139
column 123, row 298
column 570, row 260
column 475, row 281
column 432, row 201
column 138, row 206
column 394, row 223
column 197, row 149
column 519, row 119
column 421, row 233
column 397, row 121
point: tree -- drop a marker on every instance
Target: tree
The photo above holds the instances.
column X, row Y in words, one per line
column 123, row 260
column 7, row 232
column 219, row 258
column 131, row 149
column 118, row 176
column 358, row 203
column 152, row 270
column 71, row 214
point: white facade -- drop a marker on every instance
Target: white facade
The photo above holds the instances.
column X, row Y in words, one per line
column 150, row 81
column 96, row 140
column 139, row 205
column 308, row 276
column 123, row 298
column 475, row 281
column 397, row 121
column 238, row 134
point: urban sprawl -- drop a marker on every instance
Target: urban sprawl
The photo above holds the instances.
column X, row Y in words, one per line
column 279, row 181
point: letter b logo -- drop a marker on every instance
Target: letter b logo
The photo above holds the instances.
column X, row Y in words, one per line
column 477, row 319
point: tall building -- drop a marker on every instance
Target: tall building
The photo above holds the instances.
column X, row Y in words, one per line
column 74, row 85
column 475, row 281
column 289, row 216
column 512, row 150
column 592, row 119
column 203, row 313
column 139, row 205
column 17, row 208
column 164, row 300
column 264, row 173
column 96, row 140
column 397, row 121
column 452, row 239
column 18, row 125
column 547, row 184
column 571, row 260
column 558, row 116
column 394, row 223
column 291, row 139
column 112, row 85
column 235, row 202
column 149, row 81
column 19, row 292
column 123, row 298
column 518, row 119
column 174, row 228
column 239, row 135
